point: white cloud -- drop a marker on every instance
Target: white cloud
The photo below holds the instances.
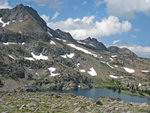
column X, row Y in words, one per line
column 99, row 2
column 85, row 27
column 45, row 17
column 4, row 4
column 139, row 50
column 137, row 30
column 133, row 36
column 126, row 8
column 84, row 2
column 55, row 15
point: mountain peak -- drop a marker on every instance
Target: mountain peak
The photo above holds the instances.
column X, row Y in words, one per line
column 94, row 43
column 126, row 51
column 64, row 35
column 20, row 6
column 23, row 19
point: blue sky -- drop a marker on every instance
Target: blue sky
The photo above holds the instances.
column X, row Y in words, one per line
column 124, row 23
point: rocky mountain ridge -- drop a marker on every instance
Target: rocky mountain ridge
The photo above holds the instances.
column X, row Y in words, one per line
column 35, row 57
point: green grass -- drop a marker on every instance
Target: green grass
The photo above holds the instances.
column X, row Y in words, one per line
column 106, row 83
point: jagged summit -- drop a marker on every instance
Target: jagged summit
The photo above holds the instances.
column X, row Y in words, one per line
column 94, row 43
column 65, row 35
column 37, row 57
column 115, row 49
column 23, row 19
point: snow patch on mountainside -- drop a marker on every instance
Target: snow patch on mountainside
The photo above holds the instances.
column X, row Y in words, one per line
column 114, row 56
column 61, row 39
column 4, row 24
column 81, row 42
column 113, row 76
column 82, row 70
column 39, row 57
column 52, row 69
column 29, row 58
column 11, row 57
column 81, row 49
column 129, row 70
column 52, row 42
column 92, row 72
column 48, row 31
column 139, row 84
column 111, row 59
column 145, row 71
column 9, row 43
column 64, row 56
column 109, row 65
column 71, row 55
column 23, row 43
column 78, row 64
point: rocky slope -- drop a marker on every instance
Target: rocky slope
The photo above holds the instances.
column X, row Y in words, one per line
column 93, row 43
column 36, row 57
column 65, row 103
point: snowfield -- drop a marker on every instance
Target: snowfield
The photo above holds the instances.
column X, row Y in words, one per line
column 81, row 49
column 111, row 59
column 9, row 43
column 109, row 65
column 81, row 42
column 140, row 85
column 64, row 56
column 78, row 64
column 92, row 72
column 145, row 71
column 114, row 56
column 52, row 69
column 52, row 42
column 61, row 39
column 129, row 70
column 4, row 24
column 40, row 57
column 82, row 70
column 11, row 57
column 71, row 55
column 29, row 58
column 48, row 31
column 103, row 62
column 113, row 76
column 50, row 34
column 116, row 65
column 23, row 43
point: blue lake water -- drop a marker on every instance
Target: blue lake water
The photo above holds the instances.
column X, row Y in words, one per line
column 99, row 92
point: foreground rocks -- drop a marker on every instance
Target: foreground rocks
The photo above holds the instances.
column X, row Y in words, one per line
column 50, row 102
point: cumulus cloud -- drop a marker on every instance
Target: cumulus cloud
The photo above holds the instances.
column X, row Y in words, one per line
column 126, row 8
column 45, row 17
column 87, row 27
column 133, row 36
column 137, row 30
column 56, row 4
column 139, row 50
column 4, row 4
column 84, row 2
column 99, row 2
column 55, row 15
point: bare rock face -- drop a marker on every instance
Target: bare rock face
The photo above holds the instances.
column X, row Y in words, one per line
column 64, row 35
column 23, row 19
column 28, row 48
column 126, row 51
column 94, row 43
